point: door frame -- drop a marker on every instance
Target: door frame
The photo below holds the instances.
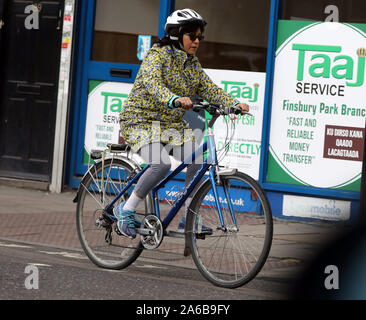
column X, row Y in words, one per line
column 64, row 89
column 86, row 69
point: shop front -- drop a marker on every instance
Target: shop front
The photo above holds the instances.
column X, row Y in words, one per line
column 300, row 66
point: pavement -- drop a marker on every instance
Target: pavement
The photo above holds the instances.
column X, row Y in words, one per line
column 41, row 217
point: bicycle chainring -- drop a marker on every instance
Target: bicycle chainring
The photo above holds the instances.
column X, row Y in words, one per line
column 154, row 224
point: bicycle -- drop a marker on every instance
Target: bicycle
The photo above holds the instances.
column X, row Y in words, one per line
column 231, row 249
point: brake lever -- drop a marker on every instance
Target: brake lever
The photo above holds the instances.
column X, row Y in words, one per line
column 197, row 107
column 236, row 111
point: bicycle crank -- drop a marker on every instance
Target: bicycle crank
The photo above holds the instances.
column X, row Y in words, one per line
column 151, row 232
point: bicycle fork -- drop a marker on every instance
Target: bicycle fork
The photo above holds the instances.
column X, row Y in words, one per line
column 213, row 180
column 215, row 177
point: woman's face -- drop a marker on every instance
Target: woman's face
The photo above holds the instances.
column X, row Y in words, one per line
column 191, row 46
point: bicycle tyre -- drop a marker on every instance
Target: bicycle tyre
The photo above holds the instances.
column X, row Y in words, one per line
column 230, row 258
column 103, row 245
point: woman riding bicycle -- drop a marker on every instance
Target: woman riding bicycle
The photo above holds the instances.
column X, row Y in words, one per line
column 170, row 75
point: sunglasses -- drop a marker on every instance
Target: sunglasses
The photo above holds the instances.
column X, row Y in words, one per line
column 193, row 36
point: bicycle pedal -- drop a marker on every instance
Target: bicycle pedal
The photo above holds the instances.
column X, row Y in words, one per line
column 206, row 231
column 187, row 252
column 116, row 230
column 175, row 234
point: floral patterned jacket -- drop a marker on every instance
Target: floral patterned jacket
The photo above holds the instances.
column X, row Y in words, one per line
column 166, row 73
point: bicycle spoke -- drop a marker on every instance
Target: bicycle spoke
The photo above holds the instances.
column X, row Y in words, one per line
column 88, row 191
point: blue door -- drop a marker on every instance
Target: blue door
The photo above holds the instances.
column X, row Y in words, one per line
column 114, row 36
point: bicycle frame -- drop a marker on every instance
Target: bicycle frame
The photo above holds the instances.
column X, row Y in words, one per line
column 209, row 164
column 188, row 190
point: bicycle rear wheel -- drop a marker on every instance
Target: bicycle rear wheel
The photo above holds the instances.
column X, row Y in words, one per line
column 96, row 230
column 230, row 256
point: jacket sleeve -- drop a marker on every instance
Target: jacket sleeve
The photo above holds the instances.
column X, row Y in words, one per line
column 209, row 91
column 151, row 77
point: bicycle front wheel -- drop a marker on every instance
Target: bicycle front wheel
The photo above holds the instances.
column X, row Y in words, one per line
column 230, row 252
column 96, row 231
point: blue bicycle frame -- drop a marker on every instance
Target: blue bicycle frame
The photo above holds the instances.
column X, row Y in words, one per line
column 211, row 161
column 183, row 197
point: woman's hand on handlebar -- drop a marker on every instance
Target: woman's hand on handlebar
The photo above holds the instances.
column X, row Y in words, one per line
column 184, row 102
column 243, row 106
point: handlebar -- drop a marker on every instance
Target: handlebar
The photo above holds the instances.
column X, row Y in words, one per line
column 214, row 109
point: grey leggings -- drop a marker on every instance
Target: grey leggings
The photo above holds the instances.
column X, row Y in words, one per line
column 157, row 155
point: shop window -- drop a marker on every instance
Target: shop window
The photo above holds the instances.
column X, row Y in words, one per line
column 118, row 25
column 236, row 34
column 352, row 11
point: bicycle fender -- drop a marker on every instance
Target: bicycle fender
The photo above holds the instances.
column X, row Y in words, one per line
column 132, row 163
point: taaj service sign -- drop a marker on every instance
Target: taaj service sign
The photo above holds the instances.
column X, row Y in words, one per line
column 102, row 123
column 319, row 105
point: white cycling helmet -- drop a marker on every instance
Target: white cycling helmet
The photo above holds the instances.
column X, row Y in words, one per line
column 182, row 17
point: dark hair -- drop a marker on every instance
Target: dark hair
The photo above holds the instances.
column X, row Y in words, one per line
column 166, row 41
column 179, row 32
